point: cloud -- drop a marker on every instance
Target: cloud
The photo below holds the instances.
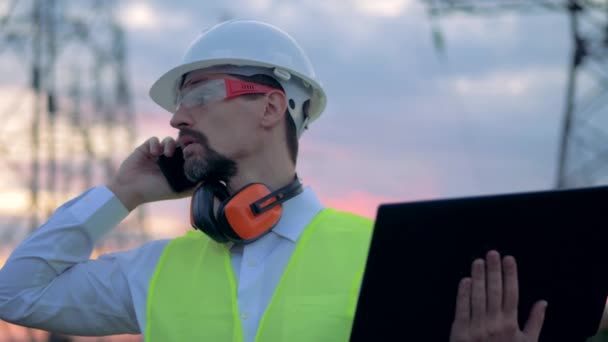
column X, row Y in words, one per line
column 382, row 8
column 338, row 170
column 13, row 201
column 144, row 16
column 15, row 71
column 460, row 27
column 260, row 5
column 154, row 124
column 504, row 86
column 15, row 109
column 361, row 203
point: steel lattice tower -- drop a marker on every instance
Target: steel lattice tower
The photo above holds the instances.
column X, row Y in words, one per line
column 67, row 114
column 583, row 149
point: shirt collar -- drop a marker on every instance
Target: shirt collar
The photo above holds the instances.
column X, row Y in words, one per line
column 297, row 214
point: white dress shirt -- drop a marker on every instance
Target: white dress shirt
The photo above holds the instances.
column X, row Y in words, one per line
column 50, row 283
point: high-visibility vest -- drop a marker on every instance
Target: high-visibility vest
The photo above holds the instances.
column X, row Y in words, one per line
column 192, row 295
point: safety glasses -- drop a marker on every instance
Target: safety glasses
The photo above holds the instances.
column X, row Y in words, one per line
column 210, row 91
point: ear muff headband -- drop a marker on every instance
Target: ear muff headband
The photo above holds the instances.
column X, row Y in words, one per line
column 273, row 199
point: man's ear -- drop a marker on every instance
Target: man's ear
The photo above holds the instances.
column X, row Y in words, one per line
column 276, row 106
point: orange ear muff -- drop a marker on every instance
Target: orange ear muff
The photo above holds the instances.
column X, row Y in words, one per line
column 239, row 213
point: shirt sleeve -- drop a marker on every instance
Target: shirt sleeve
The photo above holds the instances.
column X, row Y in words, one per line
column 50, row 283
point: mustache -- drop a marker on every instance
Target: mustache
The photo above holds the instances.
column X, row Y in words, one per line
column 198, row 136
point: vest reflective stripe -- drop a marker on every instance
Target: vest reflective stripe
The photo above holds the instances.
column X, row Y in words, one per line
column 192, row 295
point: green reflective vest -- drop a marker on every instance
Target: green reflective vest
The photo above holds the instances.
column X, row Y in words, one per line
column 192, row 295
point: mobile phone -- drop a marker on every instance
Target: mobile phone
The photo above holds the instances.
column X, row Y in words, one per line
column 173, row 169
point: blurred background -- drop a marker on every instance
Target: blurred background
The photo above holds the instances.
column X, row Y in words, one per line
column 427, row 99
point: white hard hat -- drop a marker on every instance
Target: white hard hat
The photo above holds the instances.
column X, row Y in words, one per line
column 248, row 47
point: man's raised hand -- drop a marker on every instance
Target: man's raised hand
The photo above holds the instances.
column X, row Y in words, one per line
column 486, row 305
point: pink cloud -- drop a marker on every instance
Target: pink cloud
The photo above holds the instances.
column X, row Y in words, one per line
column 366, row 203
column 151, row 124
column 358, row 202
column 312, row 147
column 351, row 194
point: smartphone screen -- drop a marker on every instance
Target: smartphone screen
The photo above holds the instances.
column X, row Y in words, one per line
column 173, row 169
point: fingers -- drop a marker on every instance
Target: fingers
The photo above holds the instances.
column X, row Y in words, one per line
column 494, row 284
column 604, row 320
column 462, row 316
column 535, row 321
column 511, row 290
column 463, row 302
column 478, row 295
column 154, row 148
column 169, row 146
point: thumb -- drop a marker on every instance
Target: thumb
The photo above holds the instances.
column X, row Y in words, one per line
column 535, row 321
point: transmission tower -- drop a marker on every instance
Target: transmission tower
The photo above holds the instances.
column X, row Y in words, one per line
column 583, row 149
column 69, row 119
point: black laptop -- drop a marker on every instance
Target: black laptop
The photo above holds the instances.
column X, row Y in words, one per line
column 421, row 250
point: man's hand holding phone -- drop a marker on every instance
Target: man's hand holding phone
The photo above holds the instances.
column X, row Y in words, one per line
column 140, row 179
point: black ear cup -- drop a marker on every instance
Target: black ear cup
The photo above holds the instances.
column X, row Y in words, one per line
column 203, row 217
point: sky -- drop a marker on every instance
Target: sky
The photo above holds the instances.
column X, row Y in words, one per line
column 405, row 121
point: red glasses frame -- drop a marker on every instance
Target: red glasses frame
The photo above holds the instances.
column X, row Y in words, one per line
column 236, row 88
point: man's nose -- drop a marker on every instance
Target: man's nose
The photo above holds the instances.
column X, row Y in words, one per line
column 181, row 118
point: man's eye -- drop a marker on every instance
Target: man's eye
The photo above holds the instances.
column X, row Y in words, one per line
column 193, row 99
column 200, row 99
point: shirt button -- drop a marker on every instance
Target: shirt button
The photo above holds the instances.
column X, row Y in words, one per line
column 252, row 263
column 244, row 315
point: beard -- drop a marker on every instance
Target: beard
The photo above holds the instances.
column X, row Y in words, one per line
column 211, row 166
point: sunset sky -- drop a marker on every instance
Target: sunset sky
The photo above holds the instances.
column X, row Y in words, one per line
column 404, row 122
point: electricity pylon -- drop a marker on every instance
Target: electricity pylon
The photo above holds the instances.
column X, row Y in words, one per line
column 67, row 117
column 583, row 147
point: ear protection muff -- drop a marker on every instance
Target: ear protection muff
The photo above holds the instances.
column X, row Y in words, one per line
column 243, row 217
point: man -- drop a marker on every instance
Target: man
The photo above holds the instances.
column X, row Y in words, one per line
column 266, row 262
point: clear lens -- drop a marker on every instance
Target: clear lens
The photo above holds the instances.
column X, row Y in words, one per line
column 201, row 94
